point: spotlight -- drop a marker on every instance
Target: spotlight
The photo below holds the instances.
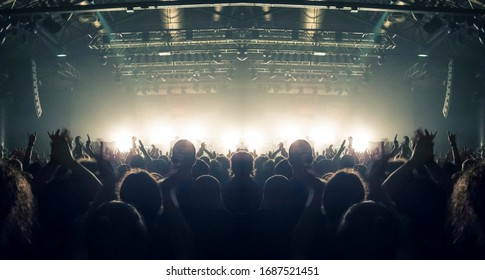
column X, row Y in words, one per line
column 289, row 132
column 195, row 133
column 216, row 57
column 361, row 140
column 422, row 54
column 289, row 77
column 254, row 140
column 229, row 140
column 380, row 60
column 356, row 59
column 103, row 60
column 242, row 54
column 324, row 134
column 324, row 77
column 317, row 53
column 128, row 59
column 61, row 55
column 161, row 134
column 122, row 140
column 195, row 77
column 267, row 57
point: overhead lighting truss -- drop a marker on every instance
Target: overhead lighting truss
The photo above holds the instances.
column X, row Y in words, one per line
column 232, row 39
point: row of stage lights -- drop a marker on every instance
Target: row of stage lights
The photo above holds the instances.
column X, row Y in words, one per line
column 207, row 75
column 320, row 137
column 242, row 54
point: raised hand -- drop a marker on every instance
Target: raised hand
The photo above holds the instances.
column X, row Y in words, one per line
column 280, row 146
column 61, row 152
column 350, row 139
column 406, row 140
column 395, row 142
column 141, row 145
column 452, row 138
column 77, row 140
column 423, row 150
column 88, row 142
column 342, row 147
column 32, row 138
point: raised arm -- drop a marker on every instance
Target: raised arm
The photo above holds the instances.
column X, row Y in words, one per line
column 203, row 149
column 454, row 149
column 88, row 148
column 336, row 158
column 395, row 147
column 351, row 150
column 28, row 151
column 61, row 154
column 376, row 178
column 78, row 148
column 146, row 156
column 108, row 178
column 406, row 151
column 421, row 155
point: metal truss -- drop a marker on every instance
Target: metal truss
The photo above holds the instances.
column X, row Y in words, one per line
column 324, row 5
column 233, row 38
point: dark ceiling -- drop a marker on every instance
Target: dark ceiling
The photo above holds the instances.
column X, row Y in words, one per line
column 201, row 41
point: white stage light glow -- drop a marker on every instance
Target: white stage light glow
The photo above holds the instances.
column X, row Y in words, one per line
column 361, row 140
column 289, row 133
column 229, row 141
column 254, row 141
column 162, row 135
column 195, row 133
column 122, row 139
column 322, row 135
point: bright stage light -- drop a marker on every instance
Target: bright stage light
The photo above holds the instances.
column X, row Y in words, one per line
column 122, row 139
column 195, row 133
column 361, row 140
column 322, row 135
column 289, row 133
column 161, row 135
column 230, row 141
column 253, row 140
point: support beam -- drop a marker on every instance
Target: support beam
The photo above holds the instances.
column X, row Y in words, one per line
column 190, row 4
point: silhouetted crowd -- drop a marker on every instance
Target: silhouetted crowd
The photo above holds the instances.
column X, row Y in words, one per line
column 396, row 201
